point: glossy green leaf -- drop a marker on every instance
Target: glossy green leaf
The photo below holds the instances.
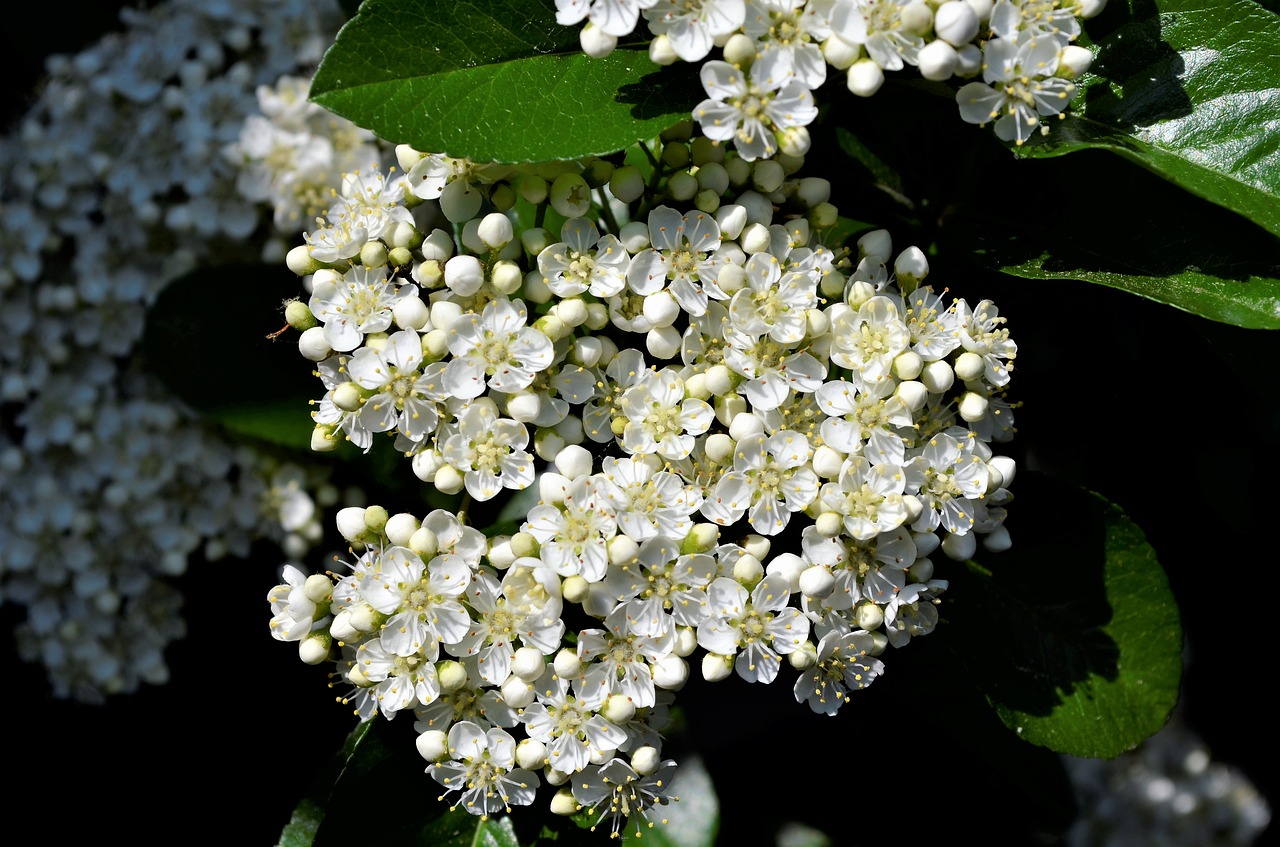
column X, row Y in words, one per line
column 497, row 81
column 207, row 339
column 1247, row 300
column 1075, row 636
column 307, row 817
column 1189, row 89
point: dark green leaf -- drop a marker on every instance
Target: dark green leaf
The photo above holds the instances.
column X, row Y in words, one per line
column 1154, row 241
column 207, row 340
column 1075, row 636
column 307, row 817
column 1189, row 89
column 495, row 81
column 1243, row 299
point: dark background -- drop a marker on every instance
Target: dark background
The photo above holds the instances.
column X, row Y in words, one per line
column 1173, row 417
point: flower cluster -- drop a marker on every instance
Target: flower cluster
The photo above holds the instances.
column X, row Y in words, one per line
column 739, row 444
column 1168, row 791
column 113, row 184
column 775, row 53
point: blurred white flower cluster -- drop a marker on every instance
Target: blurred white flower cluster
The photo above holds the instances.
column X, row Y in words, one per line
column 113, row 184
column 775, row 53
column 739, row 449
column 1167, row 793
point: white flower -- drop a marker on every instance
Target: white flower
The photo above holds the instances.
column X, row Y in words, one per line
column 789, row 32
column 913, row 611
column 502, row 627
column 618, row 792
column 292, row 612
column 844, row 665
column 648, row 502
column 770, row 480
column 661, row 584
column 615, row 17
column 877, row 26
column 583, row 260
column 359, row 304
column 751, row 112
column 692, row 26
column 406, row 397
column 1018, row 88
column 772, row 370
column 761, row 626
column 863, row 421
column 772, row 303
column 482, row 771
column 496, row 350
column 398, row 681
column 982, row 331
column 950, row 479
column 660, row 418
column 681, row 251
column 570, row 724
column 421, row 602
column 616, row 659
column 573, row 536
column 868, row 497
column 490, row 452
column 868, row 340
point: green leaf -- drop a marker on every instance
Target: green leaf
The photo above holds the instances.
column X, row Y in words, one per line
column 1189, row 89
column 1075, row 636
column 207, row 339
column 307, row 817
column 1228, row 290
column 497, row 81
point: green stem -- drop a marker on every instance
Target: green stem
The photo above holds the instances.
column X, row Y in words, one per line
column 607, row 213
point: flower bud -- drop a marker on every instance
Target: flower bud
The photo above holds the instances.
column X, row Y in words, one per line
column 1074, row 61
column 627, row 183
column 968, row 61
column 424, row 542
column 670, row 672
column 719, row 447
column 916, row 18
column 517, row 693
column 937, row 377
column 960, row 547
column 570, row 196
column 682, row 186
column 716, row 667
column 829, row 524
column 969, row 366
column 448, row 480
column 973, row 407
column 400, row 528
column 433, row 745
column 351, row 523
column 563, row 802
column 686, row 641
column 661, row 52
column 323, row 439
column 703, row 538
column 955, row 22
column 731, row 218
column 314, row 649
column 575, row 589
column 869, row 615
column 1004, row 467
column 300, row 262
column 937, row 60
column 531, row 754
column 865, row 77
column 997, row 540
column 767, row 177
column 595, row 42
column 920, row 571
column 313, row 346
column 634, row 236
column 740, row 51
column 452, row 675
column 663, row 342
column 464, row 275
column 817, row 582
column 748, row 570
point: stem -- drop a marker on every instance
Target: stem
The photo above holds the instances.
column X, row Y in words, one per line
column 605, row 212
column 463, row 507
